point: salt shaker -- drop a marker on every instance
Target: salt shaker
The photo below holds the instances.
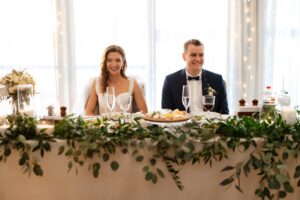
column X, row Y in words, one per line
column 50, row 110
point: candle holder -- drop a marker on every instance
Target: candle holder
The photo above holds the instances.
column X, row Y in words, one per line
column 288, row 114
column 268, row 112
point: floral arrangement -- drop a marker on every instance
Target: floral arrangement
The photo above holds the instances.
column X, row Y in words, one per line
column 12, row 80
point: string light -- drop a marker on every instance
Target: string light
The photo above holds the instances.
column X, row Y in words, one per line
column 248, row 38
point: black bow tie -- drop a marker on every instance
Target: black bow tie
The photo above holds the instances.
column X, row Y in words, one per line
column 197, row 78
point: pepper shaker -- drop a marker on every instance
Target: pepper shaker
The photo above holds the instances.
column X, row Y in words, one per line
column 63, row 110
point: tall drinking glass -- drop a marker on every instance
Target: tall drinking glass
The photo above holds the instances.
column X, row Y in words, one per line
column 208, row 103
column 186, row 97
column 124, row 102
column 110, row 99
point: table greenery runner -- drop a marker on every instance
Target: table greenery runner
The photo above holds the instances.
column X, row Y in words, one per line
column 271, row 144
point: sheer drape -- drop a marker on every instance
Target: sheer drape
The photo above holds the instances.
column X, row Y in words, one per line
column 286, row 57
column 26, row 42
column 263, row 49
column 252, row 43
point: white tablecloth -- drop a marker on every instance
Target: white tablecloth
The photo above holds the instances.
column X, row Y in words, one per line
column 128, row 183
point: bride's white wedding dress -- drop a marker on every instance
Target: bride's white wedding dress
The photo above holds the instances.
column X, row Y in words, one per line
column 102, row 97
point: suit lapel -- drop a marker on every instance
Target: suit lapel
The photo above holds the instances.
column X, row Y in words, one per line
column 204, row 82
column 182, row 79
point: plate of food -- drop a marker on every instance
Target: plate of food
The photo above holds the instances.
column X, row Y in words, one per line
column 166, row 116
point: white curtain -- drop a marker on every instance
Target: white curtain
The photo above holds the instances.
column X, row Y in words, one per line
column 263, row 49
column 286, row 43
column 252, row 43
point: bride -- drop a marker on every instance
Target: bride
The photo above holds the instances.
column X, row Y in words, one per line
column 113, row 66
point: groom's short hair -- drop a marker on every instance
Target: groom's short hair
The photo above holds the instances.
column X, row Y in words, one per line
column 193, row 42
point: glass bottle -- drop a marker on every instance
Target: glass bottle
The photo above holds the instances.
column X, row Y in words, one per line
column 268, row 109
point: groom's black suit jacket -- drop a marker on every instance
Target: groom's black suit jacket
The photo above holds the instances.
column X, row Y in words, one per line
column 172, row 90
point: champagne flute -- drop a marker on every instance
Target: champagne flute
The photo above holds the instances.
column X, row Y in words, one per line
column 124, row 102
column 110, row 99
column 208, row 103
column 186, row 97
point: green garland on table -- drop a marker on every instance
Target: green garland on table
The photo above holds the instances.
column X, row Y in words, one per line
column 270, row 144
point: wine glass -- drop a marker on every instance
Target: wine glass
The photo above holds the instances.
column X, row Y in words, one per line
column 186, row 97
column 124, row 101
column 110, row 99
column 208, row 103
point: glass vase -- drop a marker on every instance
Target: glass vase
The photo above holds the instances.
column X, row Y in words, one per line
column 268, row 112
column 25, row 100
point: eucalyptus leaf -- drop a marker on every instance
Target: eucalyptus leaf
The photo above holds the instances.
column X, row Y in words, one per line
column 297, row 172
column 287, row 187
column 146, row 168
column 22, row 138
column 61, row 150
column 114, row 165
column 227, row 181
column 139, row 158
column 148, row 176
column 182, row 137
column 274, row 183
column 7, row 152
column 105, row 157
column 69, row 152
column 153, row 161
column 96, row 168
column 70, row 165
column 24, row 158
column 160, row 172
column 227, row 168
column 238, row 188
column 282, row 194
column 37, row 170
column 154, row 178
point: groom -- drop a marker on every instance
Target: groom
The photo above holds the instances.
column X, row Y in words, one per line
column 199, row 80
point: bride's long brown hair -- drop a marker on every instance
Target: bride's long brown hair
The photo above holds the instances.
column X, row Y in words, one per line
column 104, row 71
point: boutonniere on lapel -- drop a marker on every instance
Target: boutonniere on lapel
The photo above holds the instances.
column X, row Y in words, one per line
column 211, row 91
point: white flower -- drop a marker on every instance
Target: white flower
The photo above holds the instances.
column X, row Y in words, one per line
column 210, row 91
column 11, row 80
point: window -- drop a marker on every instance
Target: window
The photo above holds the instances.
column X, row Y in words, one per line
column 26, row 42
column 287, row 49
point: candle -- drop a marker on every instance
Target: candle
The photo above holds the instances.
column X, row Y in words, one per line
column 3, row 128
column 49, row 128
column 289, row 115
column 3, row 120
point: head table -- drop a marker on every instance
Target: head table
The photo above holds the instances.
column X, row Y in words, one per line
column 200, row 181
